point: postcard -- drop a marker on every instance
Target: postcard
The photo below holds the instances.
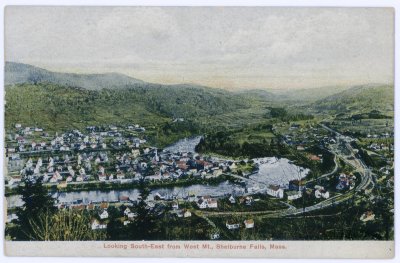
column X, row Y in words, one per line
column 199, row 131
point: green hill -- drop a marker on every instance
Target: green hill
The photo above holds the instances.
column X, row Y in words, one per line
column 18, row 73
column 359, row 99
column 306, row 95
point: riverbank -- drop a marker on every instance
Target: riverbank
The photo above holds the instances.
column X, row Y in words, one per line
column 106, row 186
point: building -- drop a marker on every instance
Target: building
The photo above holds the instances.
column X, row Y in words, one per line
column 367, row 216
column 207, row 202
column 293, row 195
column 249, row 223
column 103, row 215
column 187, row 213
column 321, row 193
column 230, row 225
column 275, row 191
column 95, row 225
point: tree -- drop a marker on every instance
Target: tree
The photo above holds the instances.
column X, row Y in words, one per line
column 143, row 227
column 65, row 225
column 37, row 201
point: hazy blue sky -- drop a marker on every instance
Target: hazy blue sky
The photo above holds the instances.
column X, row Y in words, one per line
column 226, row 47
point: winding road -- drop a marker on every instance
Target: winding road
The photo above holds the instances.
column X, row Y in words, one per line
column 358, row 164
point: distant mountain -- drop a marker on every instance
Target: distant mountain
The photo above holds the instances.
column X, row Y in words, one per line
column 308, row 95
column 18, row 73
column 261, row 94
column 359, row 99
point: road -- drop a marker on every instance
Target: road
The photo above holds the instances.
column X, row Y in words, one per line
column 358, row 164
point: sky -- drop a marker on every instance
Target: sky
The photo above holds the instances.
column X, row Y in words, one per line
column 234, row 48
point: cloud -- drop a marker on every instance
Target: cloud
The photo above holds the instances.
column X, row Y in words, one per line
column 228, row 47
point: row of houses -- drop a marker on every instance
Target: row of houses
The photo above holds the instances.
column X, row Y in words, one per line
column 248, row 223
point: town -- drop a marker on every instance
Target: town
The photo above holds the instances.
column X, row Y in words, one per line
column 114, row 158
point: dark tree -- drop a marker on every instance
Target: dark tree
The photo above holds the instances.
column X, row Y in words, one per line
column 144, row 225
column 36, row 201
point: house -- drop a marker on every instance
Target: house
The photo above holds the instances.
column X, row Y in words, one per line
column 217, row 172
column 215, row 236
column 11, row 217
column 313, row 157
column 131, row 215
column 181, row 165
column 300, row 148
column 248, row 200
column 207, row 202
column 345, row 181
column 367, row 216
column 158, row 196
column 127, row 211
column 232, row 199
column 297, row 185
column 104, row 205
column 232, row 225
column 179, row 213
column 102, row 177
column 321, row 193
column 10, row 150
column 202, row 204
column 275, row 190
column 187, row 213
column 120, row 176
column 82, row 171
column 79, row 178
column 79, row 207
column 249, row 223
column 62, row 184
column 15, row 180
column 293, row 195
column 53, row 179
column 104, row 214
column 135, row 153
column 124, row 199
column 212, row 203
column 175, row 205
column 95, row 225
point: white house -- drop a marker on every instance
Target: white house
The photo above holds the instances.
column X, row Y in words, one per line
column 232, row 225
column 293, row 195
column 175, row 205
column 207, row 202
column 202, row 204
column 232, row 199
column 135, row 153
column 367, row 216
column 249, row 223
column 102, row 177
column 127, row 211
column 131, row 215
column 321, row 193
column 187, row 214
column 104, row 214
column 53, row 179
column 120, row 176
column 275, row 190
column 14, row 180
column 95, row 225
